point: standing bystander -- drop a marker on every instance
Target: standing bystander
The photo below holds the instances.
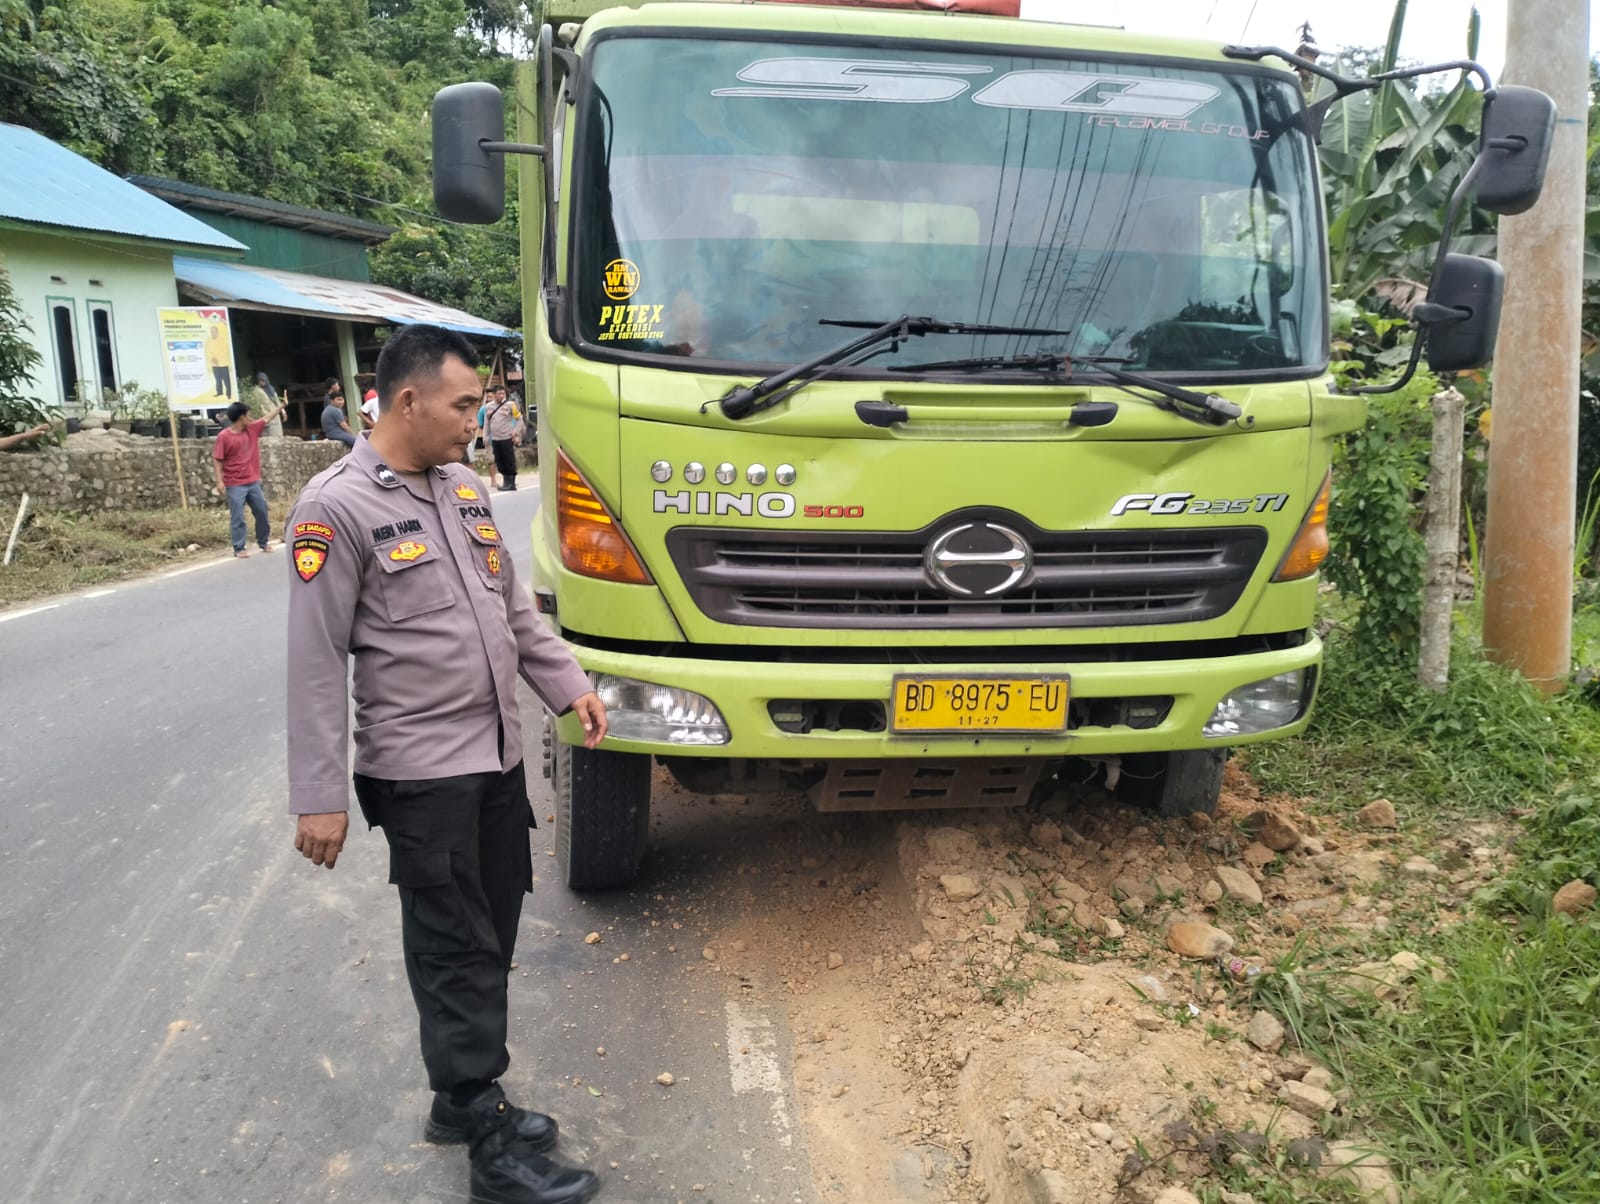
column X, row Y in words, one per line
column 237, row 461
column 399, row 565
column 506, row 429
column 275, row 426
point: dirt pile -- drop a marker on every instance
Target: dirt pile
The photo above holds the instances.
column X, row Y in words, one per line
column 1057, row 1006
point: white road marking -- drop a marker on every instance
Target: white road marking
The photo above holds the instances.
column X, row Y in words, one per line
column 22, row 614
column 192, row 568
column 757, row 1070
column 99, row 593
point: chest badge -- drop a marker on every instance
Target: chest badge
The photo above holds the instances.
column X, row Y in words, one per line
column 493, row 561
column 408, row 551
column 488, row 531
column 466, row 493
column 310, row 554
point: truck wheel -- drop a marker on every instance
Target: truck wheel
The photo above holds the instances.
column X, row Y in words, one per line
column 602, row 815
column 1174, row 783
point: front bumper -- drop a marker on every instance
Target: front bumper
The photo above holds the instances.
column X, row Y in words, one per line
column 742, row 691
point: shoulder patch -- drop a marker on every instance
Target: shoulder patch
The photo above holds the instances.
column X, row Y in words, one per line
column 310, row 554
column 466, row 493
column 323, row 530
column 487, row 530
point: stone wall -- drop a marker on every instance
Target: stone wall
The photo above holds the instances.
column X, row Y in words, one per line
column 107, row 470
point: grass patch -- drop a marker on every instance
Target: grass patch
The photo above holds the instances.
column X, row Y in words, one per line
column 57, row 553
column 1488, row 742
column 1485, row 1084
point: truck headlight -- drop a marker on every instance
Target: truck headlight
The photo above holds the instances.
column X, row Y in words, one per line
column 1261, row 706
column 642, row 710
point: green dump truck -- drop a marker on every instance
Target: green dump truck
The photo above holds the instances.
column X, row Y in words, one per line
column 932, row 407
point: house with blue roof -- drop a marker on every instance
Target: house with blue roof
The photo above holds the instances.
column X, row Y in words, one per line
column 91, row 260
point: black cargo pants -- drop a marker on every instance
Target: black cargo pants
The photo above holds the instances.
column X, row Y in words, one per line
column 458, row 852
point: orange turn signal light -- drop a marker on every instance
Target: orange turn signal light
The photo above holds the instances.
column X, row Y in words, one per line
column 592, row 541
column 1310, row 546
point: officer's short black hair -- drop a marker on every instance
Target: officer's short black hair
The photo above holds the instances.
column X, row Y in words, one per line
column 418, row 350
column 237, row 411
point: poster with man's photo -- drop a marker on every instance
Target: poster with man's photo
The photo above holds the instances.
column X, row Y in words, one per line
column 197, row 348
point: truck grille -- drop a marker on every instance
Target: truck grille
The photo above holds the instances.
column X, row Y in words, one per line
column 880, row 579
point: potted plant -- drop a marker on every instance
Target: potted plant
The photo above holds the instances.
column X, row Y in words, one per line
column 95, row 413
column 142, row 409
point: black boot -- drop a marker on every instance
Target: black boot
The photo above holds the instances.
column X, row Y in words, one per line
column 506, row 1171
column 452, row 1124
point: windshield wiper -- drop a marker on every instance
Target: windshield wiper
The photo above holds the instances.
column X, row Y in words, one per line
column 744, row 400
column 1186, row 403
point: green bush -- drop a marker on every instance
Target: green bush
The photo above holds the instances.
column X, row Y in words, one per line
column 1488, row 740
column 18, row 359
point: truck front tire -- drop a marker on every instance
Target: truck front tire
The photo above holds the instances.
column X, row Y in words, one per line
column 602, row 815
column 1173, row 783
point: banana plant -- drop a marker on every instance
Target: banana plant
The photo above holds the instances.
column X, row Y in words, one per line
column 1390, row 158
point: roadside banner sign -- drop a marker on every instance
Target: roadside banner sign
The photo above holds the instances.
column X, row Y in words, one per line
column 197, row 349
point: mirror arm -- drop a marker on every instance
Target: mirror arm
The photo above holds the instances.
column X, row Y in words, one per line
column 1343, row 84
column 1457, row 65
column 1405, row 377
column 511, row 148
column 569, row 69
column 1452, row 213
column 1426, row 314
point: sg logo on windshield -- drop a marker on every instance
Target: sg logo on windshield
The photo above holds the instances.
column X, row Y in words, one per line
column 895, row 82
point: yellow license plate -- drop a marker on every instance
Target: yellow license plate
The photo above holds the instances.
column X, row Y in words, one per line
column 979, row 704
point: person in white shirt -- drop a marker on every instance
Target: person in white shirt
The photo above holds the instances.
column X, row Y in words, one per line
column 369, row 408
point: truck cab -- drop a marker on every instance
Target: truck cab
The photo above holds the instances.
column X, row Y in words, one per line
column 933, row 408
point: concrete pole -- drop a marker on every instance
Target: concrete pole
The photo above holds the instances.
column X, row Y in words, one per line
column 1527, row 566
column 347, row 374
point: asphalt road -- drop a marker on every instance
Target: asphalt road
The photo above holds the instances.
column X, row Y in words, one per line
column 193, row 1013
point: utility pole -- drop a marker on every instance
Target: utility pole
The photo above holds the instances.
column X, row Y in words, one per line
column 1527, row 566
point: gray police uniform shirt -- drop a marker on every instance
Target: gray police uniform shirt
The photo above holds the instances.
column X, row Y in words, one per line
column 419, row 589
column 506, row 421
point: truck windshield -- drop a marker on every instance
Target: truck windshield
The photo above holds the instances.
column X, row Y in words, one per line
column 729, row 194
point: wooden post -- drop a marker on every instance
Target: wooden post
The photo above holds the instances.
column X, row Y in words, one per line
column 16, row 528
column 1442, row 532
column 177, row 456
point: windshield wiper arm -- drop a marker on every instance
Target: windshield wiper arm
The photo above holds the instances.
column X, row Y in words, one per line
column 744, row 400
column 1186, row 403
column 1041, row 361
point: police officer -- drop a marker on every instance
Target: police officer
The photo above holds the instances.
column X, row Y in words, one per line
column 397, row 562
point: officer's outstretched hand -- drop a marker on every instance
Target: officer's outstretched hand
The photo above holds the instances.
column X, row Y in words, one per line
column 593, row 714
column 321, row 837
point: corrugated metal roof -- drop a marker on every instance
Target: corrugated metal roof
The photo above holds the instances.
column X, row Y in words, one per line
column 297, row 293
column 275, row 213
column 43, row 183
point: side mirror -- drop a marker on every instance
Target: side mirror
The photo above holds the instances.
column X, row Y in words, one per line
column 1518, row 125
column 1461, row 316
column 469, row 180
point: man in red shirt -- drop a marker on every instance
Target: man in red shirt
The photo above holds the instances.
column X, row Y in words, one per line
column 237, row 460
